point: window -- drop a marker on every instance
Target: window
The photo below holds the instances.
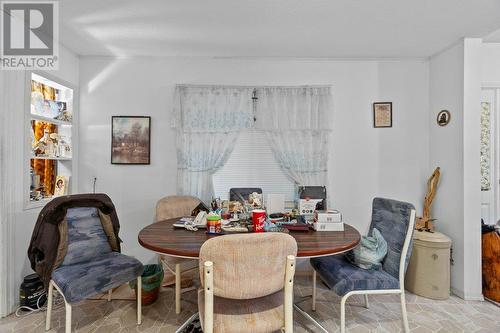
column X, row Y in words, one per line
column 252, row 164
column 485, row 146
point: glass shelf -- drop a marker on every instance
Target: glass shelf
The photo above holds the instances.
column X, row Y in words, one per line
column 50, row 120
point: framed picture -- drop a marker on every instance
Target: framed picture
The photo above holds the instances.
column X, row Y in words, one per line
column 443, row 118
column 61, row 187
column 130, row 139
column 382, row 114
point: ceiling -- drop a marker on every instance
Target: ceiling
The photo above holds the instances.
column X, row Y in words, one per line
column 493, row 37
column 273, row 28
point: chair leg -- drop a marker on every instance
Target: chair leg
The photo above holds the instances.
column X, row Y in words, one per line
column 314, row 291
column 68, row 317
column 110, row 291
column 405, row 315
column 49, row 306
column 366, row 301
column 177, row 288
column 139, row 300
column 342, row 313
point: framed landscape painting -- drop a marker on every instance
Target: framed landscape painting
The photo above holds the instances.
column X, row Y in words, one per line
column 130, row 139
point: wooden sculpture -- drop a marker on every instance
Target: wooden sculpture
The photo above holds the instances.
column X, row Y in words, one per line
column 426, row 222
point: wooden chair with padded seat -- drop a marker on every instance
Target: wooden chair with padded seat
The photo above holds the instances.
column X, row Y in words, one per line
column 168, row 208
column 247, row 283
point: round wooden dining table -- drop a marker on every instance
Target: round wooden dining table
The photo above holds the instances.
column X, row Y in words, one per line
column 163, row 238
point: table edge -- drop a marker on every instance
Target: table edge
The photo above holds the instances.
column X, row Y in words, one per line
column 302, row 254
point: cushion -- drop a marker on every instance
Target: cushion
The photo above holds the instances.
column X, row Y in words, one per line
column 86, row 237
column 391, row 218
column 264, row 314
column 83, row 280
column 343, row 277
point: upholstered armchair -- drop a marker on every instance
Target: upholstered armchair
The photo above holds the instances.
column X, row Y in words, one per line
column 395, row 220
column 90, row 261
column 247, row 283
column 167, row 208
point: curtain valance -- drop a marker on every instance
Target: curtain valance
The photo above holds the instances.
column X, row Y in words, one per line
column 199, row 108
column 212, row 108
column 300, row 108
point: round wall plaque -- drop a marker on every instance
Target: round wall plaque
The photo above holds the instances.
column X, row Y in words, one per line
column 443, row 117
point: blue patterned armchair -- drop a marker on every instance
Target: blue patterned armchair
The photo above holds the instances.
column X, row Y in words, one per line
column 89, row 266
column 395, row 220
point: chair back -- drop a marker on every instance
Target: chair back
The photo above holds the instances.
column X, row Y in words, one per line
column 247, row 266
column 86, row 237
column 175, row 206
column 395, row 220
column 242, row 193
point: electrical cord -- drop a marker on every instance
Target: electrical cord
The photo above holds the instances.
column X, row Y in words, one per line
column 58, row 300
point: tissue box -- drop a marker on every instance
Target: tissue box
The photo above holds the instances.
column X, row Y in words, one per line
column 327, row 216
column 328, row 226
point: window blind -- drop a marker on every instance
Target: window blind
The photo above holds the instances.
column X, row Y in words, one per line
column 252, row 164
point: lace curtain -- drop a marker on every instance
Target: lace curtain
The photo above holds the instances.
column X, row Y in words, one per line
column 208, row 120
column 297, row 122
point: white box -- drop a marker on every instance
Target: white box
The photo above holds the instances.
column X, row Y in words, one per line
column 275, row 203
column 325, row 216
column 307, row 207
column 329, row 226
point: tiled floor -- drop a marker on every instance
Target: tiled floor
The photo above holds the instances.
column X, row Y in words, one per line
column 453, row 315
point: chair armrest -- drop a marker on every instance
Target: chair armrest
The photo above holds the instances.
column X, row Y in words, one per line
column 288, row 302
column 209, row 297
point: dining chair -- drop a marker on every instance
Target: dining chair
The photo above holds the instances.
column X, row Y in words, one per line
column 247, row 283
column 168, row 208
column 90, row 266
column 395, row 220
column 242, row 193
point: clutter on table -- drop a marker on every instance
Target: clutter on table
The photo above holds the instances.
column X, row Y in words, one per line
column 250, row 215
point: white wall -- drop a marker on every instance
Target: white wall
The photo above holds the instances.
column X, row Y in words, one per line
column 490, row 61
column 454, row 86
column 24, row 220
column 359, row 156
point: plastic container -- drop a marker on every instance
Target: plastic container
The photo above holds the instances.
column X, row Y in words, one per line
column 214, row 225
column 152, row 276
column 31, row 292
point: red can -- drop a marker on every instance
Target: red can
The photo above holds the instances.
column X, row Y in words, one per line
column 259, row 219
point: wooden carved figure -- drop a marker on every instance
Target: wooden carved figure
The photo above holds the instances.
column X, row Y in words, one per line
column 426, row 222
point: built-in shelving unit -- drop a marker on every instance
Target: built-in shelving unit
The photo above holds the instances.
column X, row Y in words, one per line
column 50, row 136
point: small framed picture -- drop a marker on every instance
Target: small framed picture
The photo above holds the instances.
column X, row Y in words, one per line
column 61, row 187
column 443, row 117
column 130, row 140
column 382, row 114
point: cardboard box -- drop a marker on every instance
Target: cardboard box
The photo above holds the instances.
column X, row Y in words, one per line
column 329, row 226
column 327, row 216
column 308, row 206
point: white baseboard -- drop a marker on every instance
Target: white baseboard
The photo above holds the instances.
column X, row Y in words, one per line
column 467, row 297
